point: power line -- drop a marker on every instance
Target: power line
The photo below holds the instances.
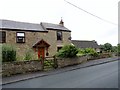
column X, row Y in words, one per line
column 91, row 13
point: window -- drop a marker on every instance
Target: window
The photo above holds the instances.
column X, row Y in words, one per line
column 2, row 36
column 59, row 35
column 20, row 37
column 58, row 48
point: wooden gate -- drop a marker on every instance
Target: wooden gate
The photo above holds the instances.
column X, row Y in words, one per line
column 49, row 63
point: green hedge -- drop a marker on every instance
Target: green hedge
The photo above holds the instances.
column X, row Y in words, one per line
column 8, row 53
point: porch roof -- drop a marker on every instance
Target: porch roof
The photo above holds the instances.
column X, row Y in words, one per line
column 41, row 43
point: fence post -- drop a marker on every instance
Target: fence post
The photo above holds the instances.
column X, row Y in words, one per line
column 43, row 59
column 55, row 62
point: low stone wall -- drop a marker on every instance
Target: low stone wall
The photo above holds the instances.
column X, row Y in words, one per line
column 12, row 68
column 104, row 55
column 63, row 62
column 19, row 67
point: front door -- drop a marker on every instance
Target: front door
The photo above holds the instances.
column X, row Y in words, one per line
column 41, row 52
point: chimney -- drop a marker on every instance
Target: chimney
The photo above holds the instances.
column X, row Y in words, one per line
column 61, row 22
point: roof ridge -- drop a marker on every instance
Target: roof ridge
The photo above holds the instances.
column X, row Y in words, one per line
column 50, row 23
column 18, row 21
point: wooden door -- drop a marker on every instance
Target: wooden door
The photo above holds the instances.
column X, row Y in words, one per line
column 41, row 52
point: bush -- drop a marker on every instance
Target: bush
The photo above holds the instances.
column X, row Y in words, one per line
column 80, row 52
column 87, row 51
column 8, row 53
column 28, row 54
column 67, row 51
column 91, row 51
column 48, row 63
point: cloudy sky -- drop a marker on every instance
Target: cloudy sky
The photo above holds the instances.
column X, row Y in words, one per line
column 83, row 25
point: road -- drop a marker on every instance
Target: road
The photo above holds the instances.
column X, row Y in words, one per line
column 99, row 76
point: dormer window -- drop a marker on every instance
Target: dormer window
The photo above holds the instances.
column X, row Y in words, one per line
column 20, row 38
column 59, row 35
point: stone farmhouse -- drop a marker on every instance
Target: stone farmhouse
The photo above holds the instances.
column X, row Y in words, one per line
column 45, row 39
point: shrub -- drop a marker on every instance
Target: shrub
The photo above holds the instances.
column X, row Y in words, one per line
column 8, row 53
column 90, row 51
column 87, row 51
column 28, row 54
column 80, row 52
column 67, row 51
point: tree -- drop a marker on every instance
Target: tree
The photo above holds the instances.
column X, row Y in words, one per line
column 118, row 46
column 106, row 47
column 114, row 49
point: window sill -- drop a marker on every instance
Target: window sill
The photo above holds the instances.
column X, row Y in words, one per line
column 60, row 41
column 20, row 42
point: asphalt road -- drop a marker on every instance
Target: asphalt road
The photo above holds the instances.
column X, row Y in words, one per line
column 99, row 76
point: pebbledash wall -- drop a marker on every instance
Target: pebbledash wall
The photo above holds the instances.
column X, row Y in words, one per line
column 31, row 37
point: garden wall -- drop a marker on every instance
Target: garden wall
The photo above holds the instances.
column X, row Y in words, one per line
column 19, row 67
column 63, row 62
column 104, row 55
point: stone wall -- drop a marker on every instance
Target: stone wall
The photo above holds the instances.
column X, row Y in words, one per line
column 102, row 55
column 63, row 62
column 12, row 68
column 19, row 67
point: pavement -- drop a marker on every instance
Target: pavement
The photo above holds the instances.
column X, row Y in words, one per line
column 22, row 77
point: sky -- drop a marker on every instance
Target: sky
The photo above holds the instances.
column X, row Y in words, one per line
column 83, row 25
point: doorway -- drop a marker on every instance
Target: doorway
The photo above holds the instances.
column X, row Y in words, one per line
column 41, row 52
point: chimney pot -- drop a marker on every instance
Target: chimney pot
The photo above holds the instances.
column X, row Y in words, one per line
column 61, row 22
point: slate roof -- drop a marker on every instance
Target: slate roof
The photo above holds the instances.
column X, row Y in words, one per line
column 51, row 26
column 85, row 44
column 9, row 24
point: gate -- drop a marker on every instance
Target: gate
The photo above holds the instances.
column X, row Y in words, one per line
column 49, row 63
